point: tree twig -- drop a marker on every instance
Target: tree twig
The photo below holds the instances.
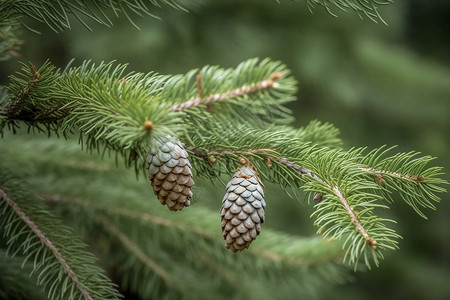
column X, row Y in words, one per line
column 243, row 90
column 337, row 192
column 382, row 173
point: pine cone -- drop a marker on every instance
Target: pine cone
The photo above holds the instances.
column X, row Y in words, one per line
column 242, row 209
column 169, row 171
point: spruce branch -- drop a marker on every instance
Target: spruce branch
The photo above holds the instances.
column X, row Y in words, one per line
column 47, row 242
column 239, row 92
column 195, row 235
column 407, row 174
column 350, row 194
column 338, row 193
column 61, row 265
column 302, row 170
column 128, row 113
column 123, row 111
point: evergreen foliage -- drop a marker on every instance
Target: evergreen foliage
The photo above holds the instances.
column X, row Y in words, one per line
column 225, row 118
column 113, row 109
column 61, row 265
column 158, row 253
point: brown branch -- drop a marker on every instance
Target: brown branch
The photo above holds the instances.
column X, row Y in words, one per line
column 47, row 242
column 381, row 173
column 355, row 221
column 337, row 192
column 243, row 90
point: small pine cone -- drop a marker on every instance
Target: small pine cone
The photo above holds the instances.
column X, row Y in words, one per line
column 242, row 209
column 169, row 171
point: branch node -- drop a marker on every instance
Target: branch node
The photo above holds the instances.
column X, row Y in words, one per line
column 276, row 75
column 36, row 74
column 371, row 242
column 269, row 162
column 148, row 125
column 242, row 160
column 380, row 179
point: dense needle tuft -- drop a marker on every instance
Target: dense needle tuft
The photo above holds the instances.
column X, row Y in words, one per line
column 242, row 209
column 170, row 172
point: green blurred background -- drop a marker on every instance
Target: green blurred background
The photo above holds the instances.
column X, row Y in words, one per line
column 378, row 84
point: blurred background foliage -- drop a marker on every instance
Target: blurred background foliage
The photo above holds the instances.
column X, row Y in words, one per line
column 378, row 84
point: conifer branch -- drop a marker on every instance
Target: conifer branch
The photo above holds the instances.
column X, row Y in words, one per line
column 46, row 242
column 338, row 193
column 60, row 264
column 382, row 173
column 156, row 220
column 239, row 92
column 125, row 111
column 128, row 112
column 406, row 174
column 302, row 170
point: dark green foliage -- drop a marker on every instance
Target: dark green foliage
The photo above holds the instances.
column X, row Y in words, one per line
column 110, row 109
column 60, row 263
column 223, row 116
column 158, row 253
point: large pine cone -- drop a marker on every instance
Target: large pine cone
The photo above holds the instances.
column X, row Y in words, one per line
column 169, row 171
column 242, row 209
